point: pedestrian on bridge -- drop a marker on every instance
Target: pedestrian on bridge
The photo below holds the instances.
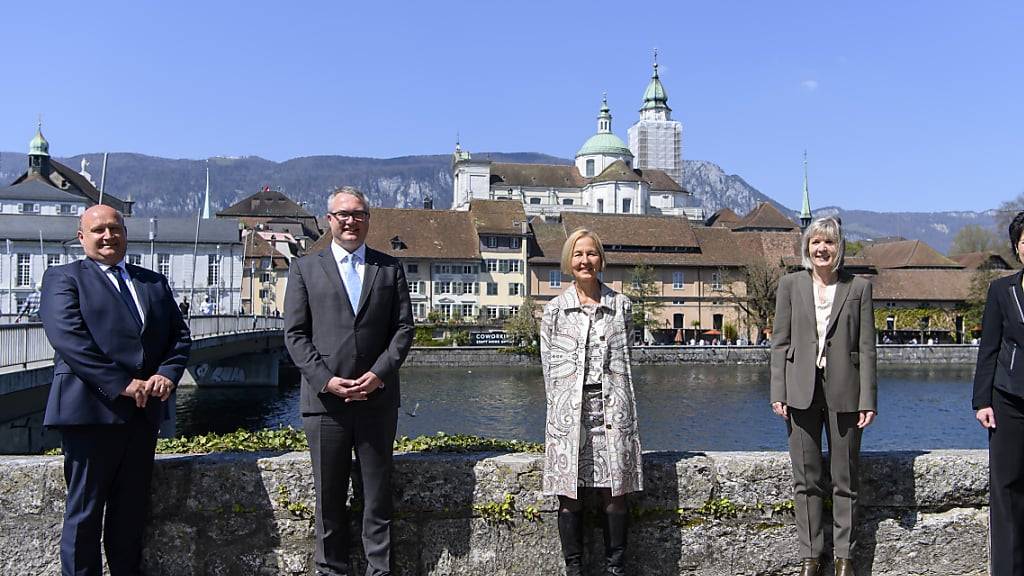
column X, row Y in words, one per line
column 120, row 348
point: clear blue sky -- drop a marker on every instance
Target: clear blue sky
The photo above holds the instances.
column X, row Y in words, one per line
column 908, row 105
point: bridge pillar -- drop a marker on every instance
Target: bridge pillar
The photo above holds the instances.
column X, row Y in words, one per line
column 243, row 370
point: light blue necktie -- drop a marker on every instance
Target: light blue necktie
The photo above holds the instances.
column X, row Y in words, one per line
column 353, row 284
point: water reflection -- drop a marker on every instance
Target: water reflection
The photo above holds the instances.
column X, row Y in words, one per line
column 680, row 407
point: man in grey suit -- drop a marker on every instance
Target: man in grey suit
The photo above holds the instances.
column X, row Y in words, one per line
column 348, row 327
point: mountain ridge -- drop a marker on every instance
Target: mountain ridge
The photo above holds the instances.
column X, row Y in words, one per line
column 173, row 186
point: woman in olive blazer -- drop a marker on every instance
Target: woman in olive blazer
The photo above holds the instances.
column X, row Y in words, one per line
column 823, row 377
column 999, row 402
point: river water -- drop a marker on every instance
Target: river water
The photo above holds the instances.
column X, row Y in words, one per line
column 680, row 407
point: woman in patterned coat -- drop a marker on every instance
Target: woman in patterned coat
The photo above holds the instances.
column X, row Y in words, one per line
column 591, row 437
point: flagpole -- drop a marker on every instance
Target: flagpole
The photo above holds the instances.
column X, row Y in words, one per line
column 103, row 178
column 195, row 249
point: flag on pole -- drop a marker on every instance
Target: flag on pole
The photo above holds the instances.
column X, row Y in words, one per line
column 206, row 200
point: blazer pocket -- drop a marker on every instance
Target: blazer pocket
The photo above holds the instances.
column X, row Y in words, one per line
column 1008, row 355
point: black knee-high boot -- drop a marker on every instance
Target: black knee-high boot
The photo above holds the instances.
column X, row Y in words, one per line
column 615, row 527
column 570, row 532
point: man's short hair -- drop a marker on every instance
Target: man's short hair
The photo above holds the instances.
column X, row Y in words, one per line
column 351, row 191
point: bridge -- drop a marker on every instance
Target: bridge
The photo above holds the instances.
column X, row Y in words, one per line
column 226, row 351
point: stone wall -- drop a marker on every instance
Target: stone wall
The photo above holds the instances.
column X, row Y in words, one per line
column 940, row 354
column 728, row 514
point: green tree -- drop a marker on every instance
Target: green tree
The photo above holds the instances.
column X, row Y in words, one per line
column 854, row 247
column 974, row 238
column 523, row 326
column 643, row 290
column 729, row 331
column 977, row 293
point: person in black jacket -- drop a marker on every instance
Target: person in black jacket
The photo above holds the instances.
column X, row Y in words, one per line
column 999, row 402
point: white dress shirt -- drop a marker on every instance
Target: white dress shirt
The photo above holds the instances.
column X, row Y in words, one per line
column 341, row 257
column 109, row 272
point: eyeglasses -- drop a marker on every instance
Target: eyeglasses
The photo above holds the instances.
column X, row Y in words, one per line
column 355, row 215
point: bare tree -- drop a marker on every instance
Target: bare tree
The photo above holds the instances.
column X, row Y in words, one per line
column 643, row 290
column 761, row 278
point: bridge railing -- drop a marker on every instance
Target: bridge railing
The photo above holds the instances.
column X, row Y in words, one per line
column 22, row 344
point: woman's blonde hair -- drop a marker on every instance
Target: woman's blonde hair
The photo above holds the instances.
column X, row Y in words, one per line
column 570, row 243
column 829, row 227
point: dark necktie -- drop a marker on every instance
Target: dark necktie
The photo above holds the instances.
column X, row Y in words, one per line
column 126, row 296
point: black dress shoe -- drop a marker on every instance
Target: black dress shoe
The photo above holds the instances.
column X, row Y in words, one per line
column 844, row 567
column 812, row 567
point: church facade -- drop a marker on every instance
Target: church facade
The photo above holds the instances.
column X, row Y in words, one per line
column 607, row 176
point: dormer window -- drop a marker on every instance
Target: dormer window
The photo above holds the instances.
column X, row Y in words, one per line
column 397, row 244
column 590, row 168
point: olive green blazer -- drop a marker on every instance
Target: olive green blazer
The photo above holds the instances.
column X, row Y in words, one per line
column 850, row 384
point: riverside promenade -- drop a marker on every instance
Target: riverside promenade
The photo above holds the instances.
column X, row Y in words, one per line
column 888, row 354
column 482, row 514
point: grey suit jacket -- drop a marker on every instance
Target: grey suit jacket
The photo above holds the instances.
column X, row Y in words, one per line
column 850, row 383
column 325, row 338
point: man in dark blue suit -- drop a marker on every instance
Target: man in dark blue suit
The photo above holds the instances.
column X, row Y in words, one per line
column 121, row 347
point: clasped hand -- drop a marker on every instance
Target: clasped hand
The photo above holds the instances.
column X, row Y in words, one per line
column 354, row 390
column 155, row 386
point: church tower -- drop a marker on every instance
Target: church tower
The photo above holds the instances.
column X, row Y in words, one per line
column 656, row 140
column 805, row 209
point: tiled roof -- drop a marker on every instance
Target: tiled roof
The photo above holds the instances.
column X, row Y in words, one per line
column 617, row 172
column 984, row 260
column 766, row 216
column 497, row 216
column 634, row 230
column 80, row 187
column 37, row 188
column 660, row 180
column 724, row 217
column 266, row 203
column 257, row 247
column 173, row 230
column 906, row 254
column 943, row 285
column 536, row 175
column 430, row 234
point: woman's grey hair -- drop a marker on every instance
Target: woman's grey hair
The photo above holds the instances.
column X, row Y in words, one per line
column 351, row 191
column 828, row 227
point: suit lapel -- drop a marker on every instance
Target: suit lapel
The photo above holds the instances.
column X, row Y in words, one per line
column 370, row 269
column 842, row 292
column 805, row 290
column 334, row 277
column 1017, row 296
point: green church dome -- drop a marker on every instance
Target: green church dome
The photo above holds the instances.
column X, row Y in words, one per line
column 39, row 146
column 655, row 95
column 604, row 143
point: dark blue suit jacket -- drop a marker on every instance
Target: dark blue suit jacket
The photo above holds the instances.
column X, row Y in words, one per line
column 1002, row 341
column 99, row 350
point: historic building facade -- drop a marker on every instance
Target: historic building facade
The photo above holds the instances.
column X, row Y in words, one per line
column 607, row 176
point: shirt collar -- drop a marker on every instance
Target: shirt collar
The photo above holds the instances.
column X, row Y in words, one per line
column 607, row 297
column 340, row 253
column 107, row 267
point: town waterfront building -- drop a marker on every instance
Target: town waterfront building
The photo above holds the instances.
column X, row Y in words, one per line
column 39, row 217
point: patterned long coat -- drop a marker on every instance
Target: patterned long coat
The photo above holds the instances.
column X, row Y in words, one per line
column 563, row 353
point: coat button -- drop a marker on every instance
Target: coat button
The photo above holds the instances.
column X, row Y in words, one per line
column 608, row 426
column 829, row 343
